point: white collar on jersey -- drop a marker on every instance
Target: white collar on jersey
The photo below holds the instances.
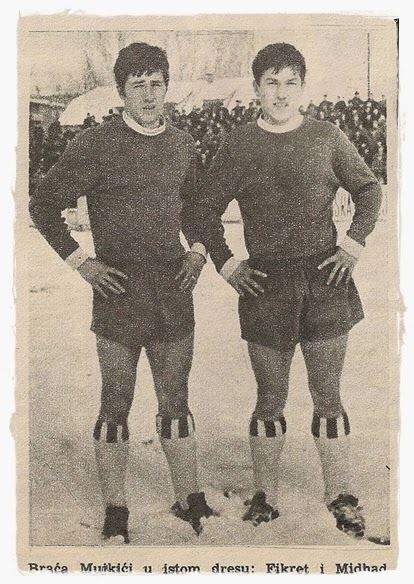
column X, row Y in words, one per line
column 291, row 125
column 140, row 129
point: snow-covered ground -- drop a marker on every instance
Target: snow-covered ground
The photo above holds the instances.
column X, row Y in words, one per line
column 66, row 506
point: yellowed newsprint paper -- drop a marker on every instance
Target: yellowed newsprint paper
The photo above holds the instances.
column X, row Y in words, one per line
column 207, row 294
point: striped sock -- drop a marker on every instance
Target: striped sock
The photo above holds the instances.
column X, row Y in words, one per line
column 267, row 438
column 177, row 437
column 332, row 440
column 111, row 453
column 111, row 432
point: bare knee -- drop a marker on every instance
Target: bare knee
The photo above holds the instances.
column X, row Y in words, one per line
column 116, row 403
column 324, row 362
column 271, row 370
column 170, row 365
column 326, row 400
column 270, row 405
column 114, row 413
column 172, row 399
column 171, row 388
column 112, row 423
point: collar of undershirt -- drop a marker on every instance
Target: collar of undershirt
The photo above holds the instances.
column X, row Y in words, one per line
column 131, row 123
column 292, row 125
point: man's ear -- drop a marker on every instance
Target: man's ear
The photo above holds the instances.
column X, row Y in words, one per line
column 256, row 89
column 121, row 92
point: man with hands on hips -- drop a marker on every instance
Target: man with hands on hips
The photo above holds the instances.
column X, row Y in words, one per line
column 296, row 287
column 138, row 176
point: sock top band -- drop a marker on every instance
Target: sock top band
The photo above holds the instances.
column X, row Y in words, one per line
column 175, row 427
column 267, row 428
column 330, row 427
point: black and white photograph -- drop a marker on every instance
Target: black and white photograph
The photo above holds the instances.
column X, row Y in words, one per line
column 207, row 287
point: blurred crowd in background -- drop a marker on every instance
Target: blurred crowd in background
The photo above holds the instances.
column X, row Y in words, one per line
column 363, row 121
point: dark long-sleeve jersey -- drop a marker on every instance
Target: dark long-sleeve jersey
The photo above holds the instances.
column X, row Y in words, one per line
column 285, row 186
column 138, row 189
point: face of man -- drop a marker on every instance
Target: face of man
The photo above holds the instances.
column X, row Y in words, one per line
column 280, row 94
column 144, row 97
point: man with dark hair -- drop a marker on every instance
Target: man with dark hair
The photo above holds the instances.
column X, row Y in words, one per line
column 87, row 121
column 110, row 115
column 325, row 105
column 138, row 176
column 312, row 110
column 296, row 286
column 251, row 112
column 357, row 101
column 340, row 105
column 238, row 112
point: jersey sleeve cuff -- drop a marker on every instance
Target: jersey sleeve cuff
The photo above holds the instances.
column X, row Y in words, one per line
column 77, row 258
column 229, row 267
column 351, row 246
column 199, row 248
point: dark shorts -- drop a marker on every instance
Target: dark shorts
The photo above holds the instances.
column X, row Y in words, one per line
column 153, row 308
column 297, row 304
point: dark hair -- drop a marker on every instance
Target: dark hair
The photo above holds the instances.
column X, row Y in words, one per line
column 278, row 56
column 137, row 59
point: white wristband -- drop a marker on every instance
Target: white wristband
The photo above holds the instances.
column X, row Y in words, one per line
column 351, row 246
column 77, row 258
column 199, row 248
column 229, row 267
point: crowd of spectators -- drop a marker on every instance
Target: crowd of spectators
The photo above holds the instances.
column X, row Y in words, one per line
column 364, row 122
